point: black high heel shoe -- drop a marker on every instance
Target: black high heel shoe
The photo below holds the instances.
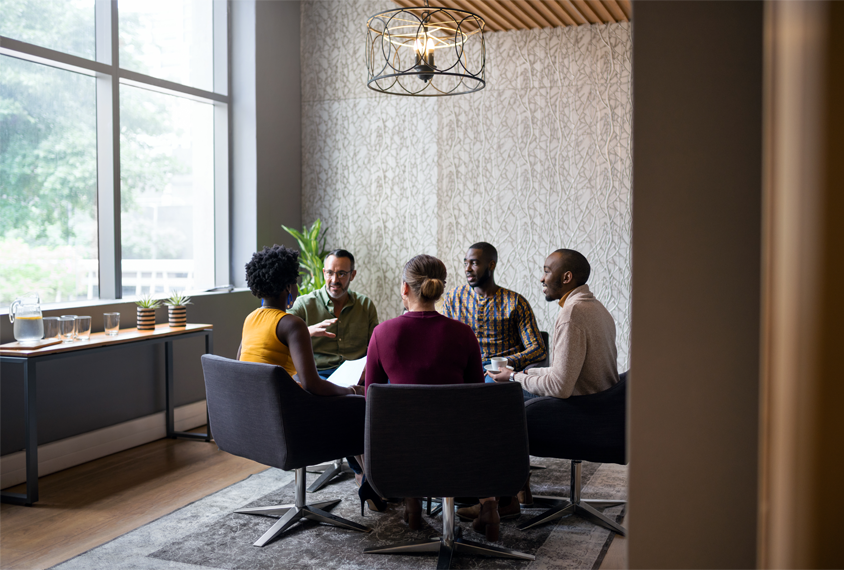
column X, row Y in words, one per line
column 368, row 495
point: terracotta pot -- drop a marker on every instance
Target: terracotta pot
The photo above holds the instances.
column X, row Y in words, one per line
column 178, row 315
column 146, row 319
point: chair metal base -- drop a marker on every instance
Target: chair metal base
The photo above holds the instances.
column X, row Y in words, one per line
column 291, row 514
column 435, row 510
column 432, row 510
column 585, row 508
column 448, row 544
column 330, row 471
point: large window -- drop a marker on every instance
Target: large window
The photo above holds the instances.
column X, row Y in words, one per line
column 167, row 192
column 48, row 169
column 113, row 148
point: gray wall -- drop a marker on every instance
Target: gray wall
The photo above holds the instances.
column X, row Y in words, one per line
column 279, row 126
column 266, row 128
column 694, row 398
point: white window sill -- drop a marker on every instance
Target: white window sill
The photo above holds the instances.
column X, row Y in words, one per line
column 87, row 303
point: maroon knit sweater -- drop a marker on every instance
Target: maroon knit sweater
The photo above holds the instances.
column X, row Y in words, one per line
column 423, row 347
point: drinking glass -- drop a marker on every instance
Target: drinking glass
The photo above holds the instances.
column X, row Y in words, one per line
column 67, row 327
column 74, row 324
column 51, row 327
column 111, row 321
column 83, row 328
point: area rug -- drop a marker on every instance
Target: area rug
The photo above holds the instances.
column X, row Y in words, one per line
column 208, row 534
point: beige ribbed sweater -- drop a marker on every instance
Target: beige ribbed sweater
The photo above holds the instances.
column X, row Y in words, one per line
column 584, row 352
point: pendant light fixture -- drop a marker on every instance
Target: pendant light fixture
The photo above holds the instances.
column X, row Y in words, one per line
column 425, row 52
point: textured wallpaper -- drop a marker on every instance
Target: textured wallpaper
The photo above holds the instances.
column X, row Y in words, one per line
column 538, row 160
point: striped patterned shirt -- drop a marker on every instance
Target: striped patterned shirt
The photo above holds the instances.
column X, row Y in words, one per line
column 503, row 323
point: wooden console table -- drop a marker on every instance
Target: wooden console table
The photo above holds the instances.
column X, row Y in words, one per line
column 98, row 342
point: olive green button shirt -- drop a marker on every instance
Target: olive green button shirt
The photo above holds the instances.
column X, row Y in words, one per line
column 353, row 328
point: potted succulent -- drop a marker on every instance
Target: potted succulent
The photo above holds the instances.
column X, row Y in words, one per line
column 177, row 310
column 146, row 312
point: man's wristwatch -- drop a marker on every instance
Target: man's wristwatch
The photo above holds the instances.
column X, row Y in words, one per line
column 513, row 376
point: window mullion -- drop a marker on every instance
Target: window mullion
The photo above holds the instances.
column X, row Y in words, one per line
column 221, row 145
column 108, row 152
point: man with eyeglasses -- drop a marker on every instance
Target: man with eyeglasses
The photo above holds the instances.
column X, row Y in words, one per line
column 340, row 321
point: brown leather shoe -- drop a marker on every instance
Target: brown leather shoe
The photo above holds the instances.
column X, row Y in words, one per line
column 509, row 511
column 525, row 497
column 413, row 513
column 488, row 521
column 469, row 513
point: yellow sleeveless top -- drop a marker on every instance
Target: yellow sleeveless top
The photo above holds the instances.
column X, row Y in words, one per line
column 260, row 342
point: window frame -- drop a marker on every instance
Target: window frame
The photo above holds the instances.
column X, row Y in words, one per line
column 109, row 76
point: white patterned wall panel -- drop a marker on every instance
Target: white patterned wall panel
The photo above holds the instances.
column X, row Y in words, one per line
column 538, row 160
column 369, row 172
column 332, row 37
column 541, row 160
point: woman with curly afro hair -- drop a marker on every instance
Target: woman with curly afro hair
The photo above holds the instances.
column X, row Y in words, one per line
column 270, row 334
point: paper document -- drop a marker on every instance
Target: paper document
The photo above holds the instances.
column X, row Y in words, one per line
column 349, row 372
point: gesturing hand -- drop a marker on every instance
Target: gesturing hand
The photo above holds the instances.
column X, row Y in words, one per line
column 319, row 328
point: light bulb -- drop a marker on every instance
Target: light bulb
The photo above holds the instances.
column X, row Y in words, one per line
column 425, row 57
column 428, row 46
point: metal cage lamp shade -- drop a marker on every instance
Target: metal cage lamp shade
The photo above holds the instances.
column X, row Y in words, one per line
column 425, row 52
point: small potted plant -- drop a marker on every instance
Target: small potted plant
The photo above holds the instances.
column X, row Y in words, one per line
column 146, row 312
column 177, row 310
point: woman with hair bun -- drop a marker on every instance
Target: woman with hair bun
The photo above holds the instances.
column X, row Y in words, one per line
column 273, row 336
column 422, row 346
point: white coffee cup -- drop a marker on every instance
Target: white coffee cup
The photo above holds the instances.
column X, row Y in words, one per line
column 498, row 363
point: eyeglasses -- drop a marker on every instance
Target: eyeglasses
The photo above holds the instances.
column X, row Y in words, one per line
column 339, row 274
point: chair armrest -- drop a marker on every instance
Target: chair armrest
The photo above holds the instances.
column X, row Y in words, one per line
column 335, row 427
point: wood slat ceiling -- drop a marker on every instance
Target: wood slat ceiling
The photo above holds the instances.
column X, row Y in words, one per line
column 503, row 15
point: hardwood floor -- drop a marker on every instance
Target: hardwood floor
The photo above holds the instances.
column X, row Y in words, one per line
column 616, row 556
column 88, row 505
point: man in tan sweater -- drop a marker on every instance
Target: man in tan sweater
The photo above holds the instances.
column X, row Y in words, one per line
column 584, row 352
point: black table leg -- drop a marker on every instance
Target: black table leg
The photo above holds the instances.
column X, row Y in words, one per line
column 171, row 403
column 31, row 441
column 31, row 405
column 168, row 388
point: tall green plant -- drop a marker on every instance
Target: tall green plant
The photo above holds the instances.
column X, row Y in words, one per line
column 312, row 254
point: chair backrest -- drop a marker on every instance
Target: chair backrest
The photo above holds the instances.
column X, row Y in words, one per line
column 589, row 428
column 245, row 407
column 545, row 339
column 446, row 441
column 259, row 412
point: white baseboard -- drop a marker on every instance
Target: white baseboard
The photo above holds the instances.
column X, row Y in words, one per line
column 85, row 447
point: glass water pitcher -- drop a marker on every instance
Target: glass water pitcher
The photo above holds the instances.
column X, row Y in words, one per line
column 25, row 313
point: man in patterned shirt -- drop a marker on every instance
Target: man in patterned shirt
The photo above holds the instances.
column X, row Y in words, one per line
column 502, row 319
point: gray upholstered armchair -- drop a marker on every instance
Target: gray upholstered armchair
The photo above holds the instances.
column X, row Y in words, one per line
column 257, row 411
column 579, row 428
column 545, row 363
column 474, row 444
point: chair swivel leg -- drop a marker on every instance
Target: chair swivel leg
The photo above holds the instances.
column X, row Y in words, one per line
column 298, row 511
column 329, row 471
column 585, row 508
column 449, row 543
